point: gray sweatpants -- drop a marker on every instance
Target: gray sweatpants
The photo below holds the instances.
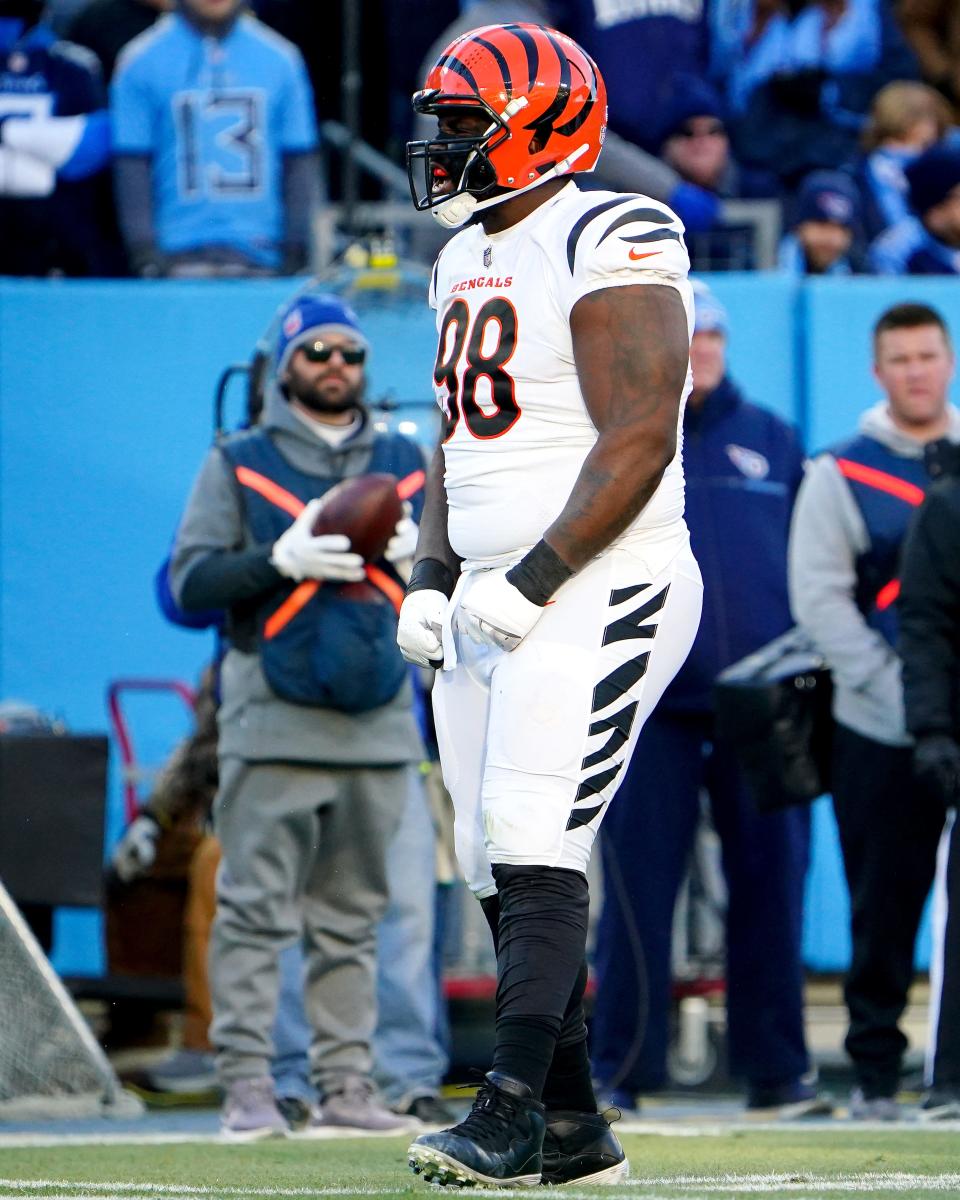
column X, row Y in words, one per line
column 304, row 853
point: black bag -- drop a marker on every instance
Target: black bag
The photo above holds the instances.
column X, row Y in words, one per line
column 773, row 708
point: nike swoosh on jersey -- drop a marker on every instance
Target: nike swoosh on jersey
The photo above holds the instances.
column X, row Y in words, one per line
column 647, row 254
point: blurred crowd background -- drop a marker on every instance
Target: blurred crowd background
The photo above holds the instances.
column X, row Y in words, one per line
column 159, row 137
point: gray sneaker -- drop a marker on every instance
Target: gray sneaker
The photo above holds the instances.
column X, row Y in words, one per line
column 941, row 1104
column 353, row 1103
column 250, row 1112
column 872, row 1108
column 185, row 1071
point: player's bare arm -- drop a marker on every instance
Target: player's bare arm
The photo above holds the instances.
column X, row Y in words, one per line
column 631, row 348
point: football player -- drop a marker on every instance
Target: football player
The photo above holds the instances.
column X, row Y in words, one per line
column 554, row 582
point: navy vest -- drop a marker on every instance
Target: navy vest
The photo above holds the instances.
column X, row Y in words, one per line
column 887, row 488
column 324, row 644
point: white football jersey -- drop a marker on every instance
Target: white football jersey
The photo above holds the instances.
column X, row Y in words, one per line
column 517, row 429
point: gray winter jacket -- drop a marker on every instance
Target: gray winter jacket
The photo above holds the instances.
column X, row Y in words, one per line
column 827, row 536
column 254, row 722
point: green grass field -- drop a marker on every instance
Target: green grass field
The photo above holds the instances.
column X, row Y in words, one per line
column 739, row 1162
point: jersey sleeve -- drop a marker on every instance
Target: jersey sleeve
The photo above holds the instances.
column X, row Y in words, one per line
column 298, row 127
column 636, row 242
column 131, row 110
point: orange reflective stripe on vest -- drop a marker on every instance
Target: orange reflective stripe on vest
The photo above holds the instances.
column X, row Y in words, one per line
column 302, row 595
column 887, row 594
column 270, row 491
column 390, row 588
column 410, row 484
column 881, row 481
column 299, row 597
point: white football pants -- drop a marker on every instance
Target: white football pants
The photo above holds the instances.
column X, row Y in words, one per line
column 534, row 742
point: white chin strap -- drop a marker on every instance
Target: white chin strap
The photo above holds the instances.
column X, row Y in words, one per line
column 454, row 211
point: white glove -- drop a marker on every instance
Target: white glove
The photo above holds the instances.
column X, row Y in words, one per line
column 137, row 849
column 495, row 613
column 299, row 554
column 419, row 626
column 403, row 544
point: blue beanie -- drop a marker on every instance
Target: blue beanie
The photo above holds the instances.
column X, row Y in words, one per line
column 309, row 314
column 690, row 96
column 828, row 196
column 709, row 315
column 933, row 176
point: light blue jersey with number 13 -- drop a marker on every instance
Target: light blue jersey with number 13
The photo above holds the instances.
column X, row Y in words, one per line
column 216, row 116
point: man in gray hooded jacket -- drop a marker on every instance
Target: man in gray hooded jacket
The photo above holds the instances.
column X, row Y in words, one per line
column 851, row 517
column 318, row 751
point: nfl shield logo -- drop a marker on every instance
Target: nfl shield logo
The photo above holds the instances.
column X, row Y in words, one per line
column 488, row 256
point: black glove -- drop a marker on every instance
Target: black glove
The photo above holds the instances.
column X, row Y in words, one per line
column 936, row 761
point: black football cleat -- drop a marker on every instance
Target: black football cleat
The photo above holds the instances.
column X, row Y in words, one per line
column 581, row 1147
column 498, row 1144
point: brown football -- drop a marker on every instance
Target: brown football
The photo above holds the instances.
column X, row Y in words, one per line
column 364, row 507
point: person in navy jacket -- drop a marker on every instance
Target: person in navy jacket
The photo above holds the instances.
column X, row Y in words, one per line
column 54, row 151
column 743, row 467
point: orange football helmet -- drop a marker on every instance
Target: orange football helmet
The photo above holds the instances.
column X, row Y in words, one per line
column 546, row 105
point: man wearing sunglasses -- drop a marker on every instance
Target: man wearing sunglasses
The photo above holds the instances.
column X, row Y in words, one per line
column 696, row 144
column 318, row 748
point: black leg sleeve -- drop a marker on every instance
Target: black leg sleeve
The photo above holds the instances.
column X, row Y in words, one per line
column 542, row 934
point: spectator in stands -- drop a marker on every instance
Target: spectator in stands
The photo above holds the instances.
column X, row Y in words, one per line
column 54, row 148
column 105, row 26
column 743, row 467
column 696, row 145
column 928, row 242
column 800, row 77
column 932, row 27
column 318, row 744
column 905, row 119
column 215, row 138
column 930, row 648
column 642, row 50
column 747, row 46
column 826, row 227
column 851, row 516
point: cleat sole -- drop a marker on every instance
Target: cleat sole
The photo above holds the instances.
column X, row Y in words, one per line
column 438, row 1168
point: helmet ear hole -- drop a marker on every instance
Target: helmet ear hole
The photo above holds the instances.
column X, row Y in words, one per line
column 537, row 143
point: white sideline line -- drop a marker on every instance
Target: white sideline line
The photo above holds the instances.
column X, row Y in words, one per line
column 664, row 1128
column 876, row 1183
